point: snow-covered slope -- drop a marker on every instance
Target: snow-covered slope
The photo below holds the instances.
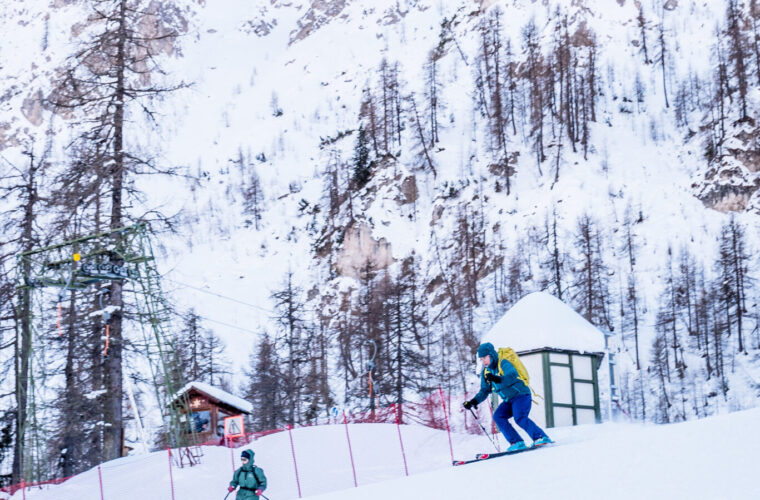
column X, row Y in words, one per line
column 710, row 459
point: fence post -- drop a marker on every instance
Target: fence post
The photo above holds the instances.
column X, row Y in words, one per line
column 23, row 489
column 350, row 451
column 171, row 475
column 100, row 481
column 295, row 464
column 232, row 455
column 398, row 427
column 446, row 417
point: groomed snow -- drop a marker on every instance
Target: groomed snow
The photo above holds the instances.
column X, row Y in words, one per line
column 541, row 320
column 713, row 458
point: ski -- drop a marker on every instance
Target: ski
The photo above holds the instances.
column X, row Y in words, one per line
column 487, row 456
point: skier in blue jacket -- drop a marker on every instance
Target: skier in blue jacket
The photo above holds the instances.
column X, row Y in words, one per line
column 515, row 395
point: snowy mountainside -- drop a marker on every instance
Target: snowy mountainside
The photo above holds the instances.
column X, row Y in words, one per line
column 277, row 88
column 637, row 159
column 707, row 459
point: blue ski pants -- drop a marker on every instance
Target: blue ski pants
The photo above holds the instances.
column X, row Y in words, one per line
column 519, row 408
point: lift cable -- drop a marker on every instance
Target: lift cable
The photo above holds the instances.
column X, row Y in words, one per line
column 219, row 295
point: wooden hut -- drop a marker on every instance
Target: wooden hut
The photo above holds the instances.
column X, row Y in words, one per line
column 209, row 406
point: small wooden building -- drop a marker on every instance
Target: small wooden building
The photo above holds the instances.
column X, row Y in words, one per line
column 562, row 353
column 209, row 406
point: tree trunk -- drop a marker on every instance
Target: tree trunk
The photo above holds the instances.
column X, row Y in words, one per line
column 114, row 374
column 70, row 434
column 23, row 347
column 22, row 352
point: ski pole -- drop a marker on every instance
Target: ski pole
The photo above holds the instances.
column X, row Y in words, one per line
column 484, row 429
column 228, row 494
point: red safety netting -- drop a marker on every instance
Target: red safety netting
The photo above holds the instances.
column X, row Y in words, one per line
column 13, row 488
column 428, row 412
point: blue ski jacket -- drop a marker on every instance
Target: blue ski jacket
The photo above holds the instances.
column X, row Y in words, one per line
column 510, row 385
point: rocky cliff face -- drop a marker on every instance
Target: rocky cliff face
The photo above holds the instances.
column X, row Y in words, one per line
column 732, row 179
column 360, row 248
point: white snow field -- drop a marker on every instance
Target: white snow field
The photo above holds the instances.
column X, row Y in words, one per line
column 714, row 458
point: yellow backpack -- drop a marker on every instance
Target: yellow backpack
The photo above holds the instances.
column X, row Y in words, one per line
column 522, row 373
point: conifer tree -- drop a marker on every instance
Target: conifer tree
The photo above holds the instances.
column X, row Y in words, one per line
column 293, row 341
column 22, row 191
column 663, row 55
column 535, row 73
column 434, row 104
column 264, row 386
column 404, row 336
column 590, row 280
column 732, row 273
column 200, row 352
column 362, row 170
column 642, row 23
column 554, row 261
column 251, row 189
column 737, row 53
column 110, row 78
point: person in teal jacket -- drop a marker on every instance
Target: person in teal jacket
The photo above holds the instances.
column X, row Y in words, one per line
column 515, row 395
column 249, row 478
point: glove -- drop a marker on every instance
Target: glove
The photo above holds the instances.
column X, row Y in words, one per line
column 230, row 489
column 490, row 377
column 258, row 492
column 470, row 404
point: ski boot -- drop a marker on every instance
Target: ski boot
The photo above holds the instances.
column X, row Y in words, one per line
column 541, row 442
column 518, row 446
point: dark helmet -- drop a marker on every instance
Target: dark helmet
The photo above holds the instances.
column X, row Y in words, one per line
column 248, row 454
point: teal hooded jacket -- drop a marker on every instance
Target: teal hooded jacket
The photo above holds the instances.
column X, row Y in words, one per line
column 249, row 478
column 510, row 386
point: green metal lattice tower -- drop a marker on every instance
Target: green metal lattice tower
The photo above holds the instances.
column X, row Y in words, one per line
column 123, row 255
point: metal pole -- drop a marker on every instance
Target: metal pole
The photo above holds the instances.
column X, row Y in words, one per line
column 613, row 388
column 133, row 403
column 484, row 430
column 446, row 419
column 171, row 475
column 100, row 481
column 401, row 441
column 295, row 464
column 350, row 451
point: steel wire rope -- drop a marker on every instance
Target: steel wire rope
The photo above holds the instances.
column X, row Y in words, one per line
column 179, row 315
column 219, row 295
column 263, row 309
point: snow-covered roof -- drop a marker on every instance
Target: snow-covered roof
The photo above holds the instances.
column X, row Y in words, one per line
column 218, row 394
column 541, row 320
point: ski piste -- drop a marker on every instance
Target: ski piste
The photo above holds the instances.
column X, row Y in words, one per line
column 487, row 456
